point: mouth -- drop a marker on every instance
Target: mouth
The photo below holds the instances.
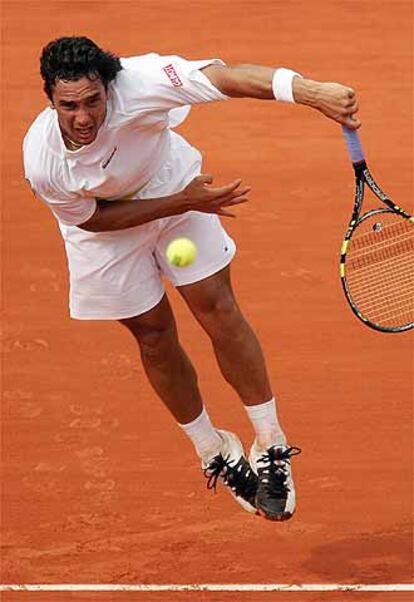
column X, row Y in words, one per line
column 85, row 134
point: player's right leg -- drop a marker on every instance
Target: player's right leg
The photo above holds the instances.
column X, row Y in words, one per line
column 165, row 362
column 174, row 379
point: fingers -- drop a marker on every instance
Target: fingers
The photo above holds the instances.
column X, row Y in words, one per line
column 349, row 109
column 228, row 189
column 221, row 190
column 340, row 103
column 348, row 114
column 220, row 204
column 350, row 119
column 199, row 195
column 223, row 211
column 352, row 122
column 233, row 198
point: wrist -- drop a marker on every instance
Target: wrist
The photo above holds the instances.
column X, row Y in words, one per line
column 283, row 84
column 306, row 91
column 176, row 203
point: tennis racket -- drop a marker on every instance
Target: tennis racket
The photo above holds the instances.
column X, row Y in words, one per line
column 377, row 254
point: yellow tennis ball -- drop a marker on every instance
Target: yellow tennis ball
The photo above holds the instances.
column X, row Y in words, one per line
column 181, row 252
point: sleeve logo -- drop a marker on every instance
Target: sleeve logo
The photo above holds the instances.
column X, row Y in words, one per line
column 172, row 76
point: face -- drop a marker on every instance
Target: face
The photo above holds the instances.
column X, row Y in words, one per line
column 81, row 108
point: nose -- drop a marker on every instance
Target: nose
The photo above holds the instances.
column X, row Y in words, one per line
column 83, row 118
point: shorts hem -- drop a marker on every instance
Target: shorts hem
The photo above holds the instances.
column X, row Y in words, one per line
column 209, row 271
column 122, row 315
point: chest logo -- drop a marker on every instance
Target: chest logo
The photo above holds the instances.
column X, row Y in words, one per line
column 172, row 76
column 109, row 159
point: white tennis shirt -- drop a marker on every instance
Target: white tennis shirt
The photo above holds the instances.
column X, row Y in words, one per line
column 148, row 97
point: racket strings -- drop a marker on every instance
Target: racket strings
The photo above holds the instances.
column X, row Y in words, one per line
column 379, row 307
column 360, row 275
column 390, row 231
column 392, row 311
column 381, row 255
column 384, row 291
column 380, row 270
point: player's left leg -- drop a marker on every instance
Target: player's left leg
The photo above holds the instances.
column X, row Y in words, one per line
column 237, row 349
column 242, row 364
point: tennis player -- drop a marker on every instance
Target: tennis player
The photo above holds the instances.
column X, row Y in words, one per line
column 122, row 184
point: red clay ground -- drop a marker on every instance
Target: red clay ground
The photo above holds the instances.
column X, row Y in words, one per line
column 99, row 486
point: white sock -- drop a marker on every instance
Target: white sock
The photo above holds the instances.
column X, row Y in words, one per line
column 266, row 425
column 205, row 438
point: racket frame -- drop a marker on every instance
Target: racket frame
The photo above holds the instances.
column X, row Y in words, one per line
column 363, row 176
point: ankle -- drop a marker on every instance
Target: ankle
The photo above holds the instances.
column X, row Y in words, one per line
column 204, row 436
column 266, row 425
column 266, row 440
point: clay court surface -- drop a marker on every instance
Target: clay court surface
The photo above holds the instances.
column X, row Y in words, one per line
column 98, row 484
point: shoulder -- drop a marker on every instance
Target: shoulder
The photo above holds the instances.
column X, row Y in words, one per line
column 40, row 127
column 137, row 69
column 136, row 85
column 41, row 156
column 154, row 67
column 140, row 62
column 41, row 139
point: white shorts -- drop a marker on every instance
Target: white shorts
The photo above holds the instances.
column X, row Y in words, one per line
column 119, row 274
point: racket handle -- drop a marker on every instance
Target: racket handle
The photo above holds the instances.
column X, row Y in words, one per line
column 354, row 144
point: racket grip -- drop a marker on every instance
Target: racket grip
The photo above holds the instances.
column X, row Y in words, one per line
column 354, row 144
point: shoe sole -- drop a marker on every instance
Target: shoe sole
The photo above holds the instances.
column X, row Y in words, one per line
column 245, row 505
column 275, row 517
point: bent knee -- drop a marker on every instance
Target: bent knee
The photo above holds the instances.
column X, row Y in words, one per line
column 222, row 318
column 153, row 339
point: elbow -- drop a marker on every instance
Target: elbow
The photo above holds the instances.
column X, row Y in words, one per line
column 89, row 227
column 93, row 223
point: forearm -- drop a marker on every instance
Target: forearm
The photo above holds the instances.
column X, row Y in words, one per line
column 255, row 81
column 120, row 215
column 244, row 81
column 336, row 101
column 198, row 195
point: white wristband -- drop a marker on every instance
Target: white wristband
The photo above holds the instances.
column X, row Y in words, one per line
column 282, row 84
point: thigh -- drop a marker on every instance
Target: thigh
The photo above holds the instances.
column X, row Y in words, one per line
column 152, row 325
column 215, row 248
column 211, row 300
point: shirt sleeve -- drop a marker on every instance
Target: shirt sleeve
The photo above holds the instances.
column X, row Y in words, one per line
column 71, row 210
column 165, row 82
column 67, row 207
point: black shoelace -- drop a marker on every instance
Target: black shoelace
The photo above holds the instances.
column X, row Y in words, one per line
column 274, row 472
column 240, row 477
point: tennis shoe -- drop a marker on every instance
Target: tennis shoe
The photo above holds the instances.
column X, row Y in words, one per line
column 275, row 497
column 231, row 466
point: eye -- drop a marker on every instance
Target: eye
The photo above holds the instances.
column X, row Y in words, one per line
column 93, row 102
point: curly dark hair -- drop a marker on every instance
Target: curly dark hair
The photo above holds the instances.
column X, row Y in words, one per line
column 74, row 57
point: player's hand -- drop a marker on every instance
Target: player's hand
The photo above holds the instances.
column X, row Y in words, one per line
column 339, row 103
column 336, row 101
column 199, row 195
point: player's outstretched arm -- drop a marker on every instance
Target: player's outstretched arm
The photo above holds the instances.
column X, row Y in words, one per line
column 336, row 101
column 198, row 195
